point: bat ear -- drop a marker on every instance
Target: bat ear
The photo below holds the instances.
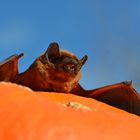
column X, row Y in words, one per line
column 83, row 60
column 52, row 51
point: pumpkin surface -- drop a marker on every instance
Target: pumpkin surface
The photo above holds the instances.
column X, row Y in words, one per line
column 29, row 115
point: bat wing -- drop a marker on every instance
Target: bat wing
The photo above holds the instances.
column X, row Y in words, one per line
column 120, row 95
column 9, row 68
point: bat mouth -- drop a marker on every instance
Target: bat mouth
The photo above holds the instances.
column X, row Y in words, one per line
column 64, row 86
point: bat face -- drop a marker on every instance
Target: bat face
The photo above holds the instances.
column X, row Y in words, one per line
column 64, row 68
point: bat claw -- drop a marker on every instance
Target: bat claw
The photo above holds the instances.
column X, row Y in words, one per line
column 128, row 83
column 20, row 55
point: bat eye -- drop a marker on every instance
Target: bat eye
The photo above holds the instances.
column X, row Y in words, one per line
column 71, row 68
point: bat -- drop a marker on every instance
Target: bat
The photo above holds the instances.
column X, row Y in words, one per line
column 58, row 70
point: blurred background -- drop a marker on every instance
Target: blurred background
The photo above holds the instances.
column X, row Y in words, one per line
column 107, row 31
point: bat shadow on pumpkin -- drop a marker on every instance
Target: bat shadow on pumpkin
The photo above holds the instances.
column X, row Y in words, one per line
column 59, row 71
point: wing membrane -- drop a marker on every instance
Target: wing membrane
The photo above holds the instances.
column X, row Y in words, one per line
column 120, row 95
column 9, row 68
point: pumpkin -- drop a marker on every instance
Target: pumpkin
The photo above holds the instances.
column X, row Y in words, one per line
column 30, row 115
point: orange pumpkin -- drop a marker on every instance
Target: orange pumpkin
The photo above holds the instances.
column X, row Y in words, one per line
column 29, row 115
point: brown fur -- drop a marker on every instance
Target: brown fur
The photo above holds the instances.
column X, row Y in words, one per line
column 41, row 76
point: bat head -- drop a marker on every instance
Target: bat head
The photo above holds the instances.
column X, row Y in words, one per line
column 64, row 61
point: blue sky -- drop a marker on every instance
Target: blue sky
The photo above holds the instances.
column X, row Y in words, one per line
column 107, row 31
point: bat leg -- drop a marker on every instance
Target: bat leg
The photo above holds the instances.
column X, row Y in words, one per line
column 120, row 95
column 9, row 67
